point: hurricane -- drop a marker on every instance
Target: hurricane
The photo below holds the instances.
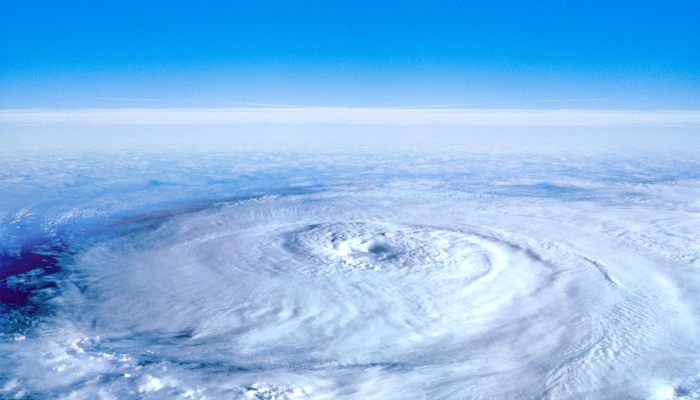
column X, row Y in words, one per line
column 323, row 276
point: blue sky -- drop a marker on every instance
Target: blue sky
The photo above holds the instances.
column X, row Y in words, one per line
column 505, row 54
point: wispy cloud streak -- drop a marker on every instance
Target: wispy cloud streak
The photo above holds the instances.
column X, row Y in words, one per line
column 349, row 116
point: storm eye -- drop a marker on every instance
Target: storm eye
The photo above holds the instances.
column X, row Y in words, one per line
column 384, row 252
column 379, row 249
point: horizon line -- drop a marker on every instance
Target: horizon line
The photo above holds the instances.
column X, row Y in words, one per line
column 286, row 115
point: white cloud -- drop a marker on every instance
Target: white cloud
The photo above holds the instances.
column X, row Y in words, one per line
column 349, row 116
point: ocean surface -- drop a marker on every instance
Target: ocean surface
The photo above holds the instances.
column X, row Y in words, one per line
column 364, row 275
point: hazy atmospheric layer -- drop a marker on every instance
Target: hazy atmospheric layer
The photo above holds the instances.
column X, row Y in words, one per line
column 290, row 276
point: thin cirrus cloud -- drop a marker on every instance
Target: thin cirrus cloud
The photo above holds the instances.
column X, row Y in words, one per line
column 349, row 116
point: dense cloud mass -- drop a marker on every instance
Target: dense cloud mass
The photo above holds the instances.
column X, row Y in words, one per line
column 335, row 275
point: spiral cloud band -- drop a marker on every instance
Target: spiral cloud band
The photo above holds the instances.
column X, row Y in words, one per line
column 349, row 280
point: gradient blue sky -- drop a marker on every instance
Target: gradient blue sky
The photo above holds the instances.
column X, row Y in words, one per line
column 496, row 54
